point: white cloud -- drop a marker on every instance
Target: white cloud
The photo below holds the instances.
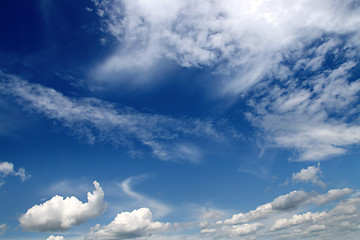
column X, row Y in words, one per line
column 60, row 213
column 260, row 212
column 309, row 174
column 242, row 38
column 97, row 120
column 297, row 219
column 244, row 223
column 159, row 208
column 52, row 237
column 291, row 200
column 3, row 228
column 7, row 168
column 338, row 223
column 283, row 44
column 128, row 225
column 332, row 195
column 316, row 116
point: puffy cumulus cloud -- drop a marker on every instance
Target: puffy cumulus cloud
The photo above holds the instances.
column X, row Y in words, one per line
column 309, row 174
column 58, row 213
column 52, row 237
column 128, row 225
column 3, row 228
column 97, row 120
column 241, row 38
column 7, row 168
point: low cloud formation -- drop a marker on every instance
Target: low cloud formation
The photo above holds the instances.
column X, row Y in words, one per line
column 256, row 220
column 309, row 174
column 7, row 169
column 129, row 225
column 342, row 219
column 58, row 213
column 52, row 237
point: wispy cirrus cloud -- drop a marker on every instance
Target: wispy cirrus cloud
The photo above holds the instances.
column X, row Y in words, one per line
column 159, row 208
column 96, row 120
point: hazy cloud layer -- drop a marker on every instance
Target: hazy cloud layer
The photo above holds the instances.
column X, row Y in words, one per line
column 58, row 213
column 3, row 228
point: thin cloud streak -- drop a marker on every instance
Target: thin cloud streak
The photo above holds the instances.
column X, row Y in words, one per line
column 97, row 120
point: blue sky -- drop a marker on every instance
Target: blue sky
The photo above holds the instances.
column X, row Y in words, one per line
column 129, row 119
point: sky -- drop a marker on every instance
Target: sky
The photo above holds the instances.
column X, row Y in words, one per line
column 183, row 119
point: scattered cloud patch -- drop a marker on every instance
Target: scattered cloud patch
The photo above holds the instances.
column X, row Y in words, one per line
column 129, row 225
column 309, row 174
column 315, row 115
column 7, row 169
column 58, row 213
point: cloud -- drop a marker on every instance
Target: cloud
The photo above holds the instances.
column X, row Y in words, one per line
column 241, row 40
column 128, row 225
column 159, row 208
column 296, row 57
column 52, row 237
column 97, row 120
column 7, row 168
column 258, row 220
column 3, row 228
column 58, row 213
column 291, row 200
column 260, row 212
column 332, row 195
column 335, row 223
column 309, row 174
column 315, row 115
column 297, row 219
